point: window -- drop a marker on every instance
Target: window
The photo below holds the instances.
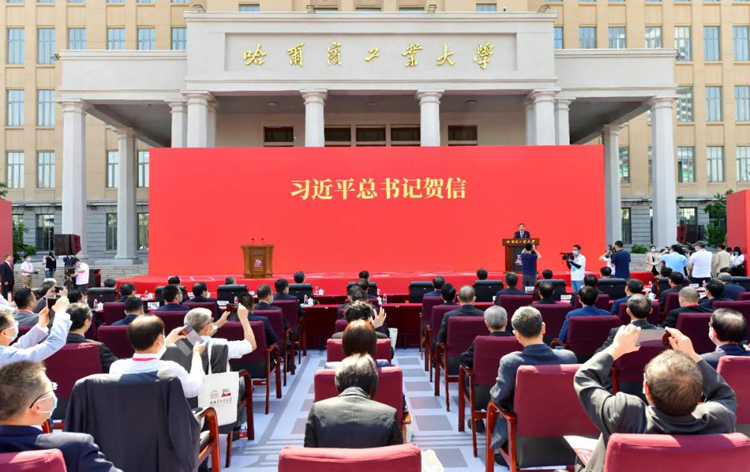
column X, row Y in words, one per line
column 15, row 1
column 146, row 39
column 682, row 43
column 180, row 1
column 111, row 234
column 179, row 39
column 711, row 43
column 16, row 45
column 338, row 136
column 715, row 160
column 45, row 169
column 115, row 1
column 558, row 37
column 626, row 224
column 77, row 38
column 587, row 37
column 653, row 37
column 405, row 135
column 462, row 136
column 741, row 40
column 617, row 37
column 742, row 103
column 76, row 1
column 743, row 163
column 16, row 114
column 411, row 9
column 45, row 1
column 616, row 1
column 688, row 216
column 45, row 110
column 115, row 39
column 326, row 9
column 142, row 231
column 113, row 169
column 45, row 45
column 278, row 136
column 15, row 169
column 45, row 232
column 145, row 1
column 624, row 165
column 684, row 104
column 250, row 7
column 370, row 136
column 686, row 164
column 486, row 6
column 368, row 9
column 713, row 104
column 142, row 169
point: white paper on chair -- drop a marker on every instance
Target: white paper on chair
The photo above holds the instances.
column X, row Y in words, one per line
column 582, row 446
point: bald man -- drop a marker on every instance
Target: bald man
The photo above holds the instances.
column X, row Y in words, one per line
column 689, row 303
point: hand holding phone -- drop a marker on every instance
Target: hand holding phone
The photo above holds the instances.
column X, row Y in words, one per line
column 189, row 339
column 653, row 337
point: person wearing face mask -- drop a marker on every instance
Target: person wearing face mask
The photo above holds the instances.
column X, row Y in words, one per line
column 27, row 400
column 737, row 263
column 146, row 336
column 652, row 260
column 577, row 266
column 40, row 342
column 172, row 299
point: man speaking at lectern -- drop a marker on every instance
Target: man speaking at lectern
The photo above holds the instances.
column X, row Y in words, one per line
column 522, row 233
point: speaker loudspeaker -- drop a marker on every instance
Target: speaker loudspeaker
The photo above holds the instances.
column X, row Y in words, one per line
column 67, row 244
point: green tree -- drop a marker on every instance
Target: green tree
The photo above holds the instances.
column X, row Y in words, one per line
column 3, row 191
column 716, row 230
column 19, row 248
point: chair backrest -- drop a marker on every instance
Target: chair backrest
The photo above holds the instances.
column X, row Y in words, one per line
column 557, row 284
column 540, row 417
column 553, row 316
column 72, row 362
column 390, row 387
column 335, row 350
column 663, row 284
column 671, row 453
column 341, row 325
column 289, row 309
column 232, row 331
column 438, row 313
column 462, row 330
column 372, row 288
column 488, row 350
column 739, row 305
column 101, row 294
column 300, row 290
column 171, row 319
column 744, row 281
column 652, row 317
column 511, row 303
column 736, row 371
column 672, row 302
column 226, row 293
column 615, row 288
column 159, row 294
column 486, row 289
column 113, row 311
column 47, row 460
column 428, row 303
column 211, row 306
column 744, row 296
column 695, row 326
column 401, row 458
column 586, row 334
column 116, row 339
column 602, row 301
column 632, row 365
column 276, row 317
column 417, row 291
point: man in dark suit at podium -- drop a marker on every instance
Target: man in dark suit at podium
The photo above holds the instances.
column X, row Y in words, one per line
column 522, row 233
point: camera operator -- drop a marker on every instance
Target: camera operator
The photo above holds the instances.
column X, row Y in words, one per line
column 621, row 261
column 577, row 264
column 529, row 256
column 607, row 256
column 81, row 275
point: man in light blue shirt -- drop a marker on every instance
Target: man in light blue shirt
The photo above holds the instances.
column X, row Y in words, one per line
column 674, row 260
column 33, row 346
column 588, row 296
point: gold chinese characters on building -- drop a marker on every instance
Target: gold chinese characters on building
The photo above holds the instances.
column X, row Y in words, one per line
column 452, row 188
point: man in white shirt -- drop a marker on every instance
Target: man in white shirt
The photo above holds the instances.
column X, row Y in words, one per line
column 82, row 275
column 201, row 320
column 27, row 271
column 35, row 345
column 146, row 335
column 577, row 267
column 700, row 264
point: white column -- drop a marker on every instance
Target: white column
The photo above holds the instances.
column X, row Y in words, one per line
column 562, row 121
column 197, row 118
column 544, row 117
column 179, row 123
column 127, row 245
column 74, row 171
column 528, row 106
column 612, row 201
column 213, row 109
column 429, row 121
column 663, row 171
column 314, row 117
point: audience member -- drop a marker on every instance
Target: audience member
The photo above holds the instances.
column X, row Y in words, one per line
column 528, row 328
column 587, row 297
column 496, row 319
column 700, row 264
column 247, row 301
column 621, row 261
column 133, row 309
column 714, row 293
column 590, row 280
column 448, row 292
column 80, row 318
column 127, row 290
column 546, row 293
column 202, row 322
column 674, row 259
column 529, row 258
column 229, row 280
column 467, row 297
column 639, row 307
column 731, row 290
column 173, row 280
column 437, row 284
column 76, row 297
column 265, row 302
column 27, row 400
column 359, row 337
column 547, row 274
column 353, row 419
column 632, row 287
column 674, row 383
column 364, row 284
column 355, row 294
column 605, row 272
column 676, row 281
column 282, row 293
column 727, row 329
column 25, row 301
column 689, row 303
column 202, row 295
column 511, row 281
column 172, row 299
column 363, row 274
column 299, row 277
column 482, row 274
column 361, row 310
column 110, row 283
column 40, row 342
column 47, row 290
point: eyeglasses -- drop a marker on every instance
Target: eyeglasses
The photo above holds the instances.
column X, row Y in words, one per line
column 54, row 387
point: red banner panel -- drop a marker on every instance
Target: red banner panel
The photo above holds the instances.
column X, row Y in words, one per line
column 738, row 221
column 378, row 208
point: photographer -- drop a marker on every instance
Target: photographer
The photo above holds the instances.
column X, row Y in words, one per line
column 81, row 275
column 577, row 264
column 621, row 261
column 529, row 256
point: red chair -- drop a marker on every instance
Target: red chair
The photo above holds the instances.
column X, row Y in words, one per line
column 335, row 350
column 537, row 425
column 672, row 302
column 652, row 317
column 511, row 303
column 113, row 311
column 211, row 306
column 116, row 339
column 740, row 306
column 425, row 317
column 405, row 318
column 488, row 350
column 627, row 371
column 340, row 325
column 67, row 366
column 462, row 330
column 319, row 324
column 602, row 301
column 289, row 308
column 672, row 453
column 553, row 316
column 438, row 313
column 586, row 334
column 171, row 319
column 276, row 318
column 695, row 326
column 736, row 372
column 232, row 331
column 47, row 460
column 402, row 458
column 744, row 296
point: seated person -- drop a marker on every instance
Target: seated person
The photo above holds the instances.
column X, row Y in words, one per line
column 75, row 296
column 127, row 290
column 731, row 290
column 714, row 292
column 605, row 272
column 547, row 274
column 689, row 303
column 590, row 280
column 511, row 280
column 361, row 310
column 448, row 292
column 587, row 297
column 257, row 369
column 639, row 307
column 80, row 318
column 47, row 290
column 25, row 301
column 172, row 299
column 364, row 284
column 35, row 345
column 360, row 337
column 202, row 322
column 528, row 328
column 353, row 419
column 437, row 285
column 173, row 280
column 133, row 309
column 676, row 282
column 355, row 294
column 265, row 302
column 546, row 293
column 282, row 293
column 202, row 295
column 299, row 277
column 674, row 383
column 482, row 274
column 110, row 283
column 146, row 335
column 467, row 297
column 632, row 286
column 229, row 281
column 664, row 273
column 726, row 330
column 28, row 399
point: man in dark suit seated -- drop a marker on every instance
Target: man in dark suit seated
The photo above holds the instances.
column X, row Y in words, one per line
column 173, row 280
column 437, row 284
column 632, row 287
column 522, row 233
column 714, row 293
column 727, row 330
column 265, row 300
column 587, row 297
column 80, row 317
column 590, row 280
column 448, row 292
column 229, row 280
column 482, row 274
column 605, row 272
column 674, row 383
column 133, row 309
column 689, row 303
column 248, row 302
column 172, row 299
column 127, row 291
column 282, row 293
column 364, row 284
column 676, row 281
column 28, row 399
column 202, row 295
column 731, row 290
column 546, row 293
column 299, row 277
column 639, row 307
column 467, row 297
column 511, row 280
column 361, row 310
column 355, row 294
column 353, row 419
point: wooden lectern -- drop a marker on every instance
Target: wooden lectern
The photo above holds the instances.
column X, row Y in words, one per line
column 513, row 248
column 258, row 261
